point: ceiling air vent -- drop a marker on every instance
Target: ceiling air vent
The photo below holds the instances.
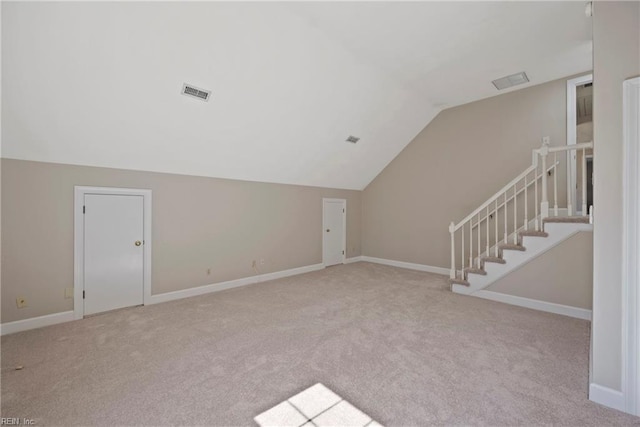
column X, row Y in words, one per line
column 195, row 92
column 352, row 139
column 512, row 80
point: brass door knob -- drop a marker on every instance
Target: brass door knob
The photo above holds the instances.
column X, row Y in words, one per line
column 328, row 230
column 138, row 243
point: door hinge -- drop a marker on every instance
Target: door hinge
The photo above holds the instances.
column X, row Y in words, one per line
column 82, row 294
column 342, row 210
column 342, row 252
column 84, row 209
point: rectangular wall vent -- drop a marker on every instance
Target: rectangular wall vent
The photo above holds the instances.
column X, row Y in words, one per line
column 195, row 92
column 512, row 80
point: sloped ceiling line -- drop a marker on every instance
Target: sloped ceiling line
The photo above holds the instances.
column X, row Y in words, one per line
column 99, row 83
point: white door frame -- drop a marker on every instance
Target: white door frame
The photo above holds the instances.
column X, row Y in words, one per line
column 631, row 247
column 572, row 136
column 78, row 232
column 344, row 226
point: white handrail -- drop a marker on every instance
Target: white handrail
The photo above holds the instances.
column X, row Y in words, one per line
column 501, row 200
column 495, row 196
column 500, row 193
column 582, row 145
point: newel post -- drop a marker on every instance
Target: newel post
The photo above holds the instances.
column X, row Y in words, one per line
column 544, row 151
column 452, row 230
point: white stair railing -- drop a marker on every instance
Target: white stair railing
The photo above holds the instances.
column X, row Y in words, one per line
column 509, row 209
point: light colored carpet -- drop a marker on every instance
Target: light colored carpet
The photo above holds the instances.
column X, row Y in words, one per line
column 395, row 343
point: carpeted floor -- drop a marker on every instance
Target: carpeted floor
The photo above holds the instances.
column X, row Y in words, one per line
column 395, row 343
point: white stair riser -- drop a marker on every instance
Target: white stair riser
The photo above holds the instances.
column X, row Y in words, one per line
column 535, row 246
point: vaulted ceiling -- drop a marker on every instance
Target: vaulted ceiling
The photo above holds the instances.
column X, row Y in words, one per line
column 99, row 83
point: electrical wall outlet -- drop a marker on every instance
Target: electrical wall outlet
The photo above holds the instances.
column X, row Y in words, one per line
column 262, row 261
column 68, row 293
column 208, row 271
column 21, row 302
column 253, row 264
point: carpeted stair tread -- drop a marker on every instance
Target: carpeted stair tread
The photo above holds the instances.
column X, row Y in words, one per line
column 511, row 247
column 570, row 219
column 534, row 233
column 495, row 259
column 475, row 270
column 459, row 282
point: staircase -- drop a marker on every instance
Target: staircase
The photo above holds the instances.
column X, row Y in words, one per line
column 516, row 224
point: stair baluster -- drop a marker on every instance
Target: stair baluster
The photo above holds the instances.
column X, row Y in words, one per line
column 478, row 255
column 526, row 205
column 487, row 218
column 478, row 258
column 470, row 243
column 535, row 202
column 496, row 226
column 505, row 217
column 555, row 184
column 462, row 255
column 544, row 203
column 452, row 230
column 515, row 214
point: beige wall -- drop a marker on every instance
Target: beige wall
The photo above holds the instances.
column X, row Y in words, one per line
column 461, row 158
column 1, row 251
column 562, row 275
column 616, row 50
column 198, row 223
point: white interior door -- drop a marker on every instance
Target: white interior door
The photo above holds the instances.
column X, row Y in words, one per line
column 113, row 252
column 333, row 230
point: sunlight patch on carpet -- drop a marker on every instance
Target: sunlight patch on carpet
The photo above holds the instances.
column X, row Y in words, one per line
column 315, row 406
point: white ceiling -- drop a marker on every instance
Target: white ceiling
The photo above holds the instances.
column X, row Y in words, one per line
column 99, row 83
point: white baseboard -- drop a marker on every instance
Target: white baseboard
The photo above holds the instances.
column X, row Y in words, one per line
column 408, row 265
column 550, row 307
column 353, row 259
column 36, row 322
column 291, row 272
column 67, row 316
column 216, row 287
column 606, row 396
